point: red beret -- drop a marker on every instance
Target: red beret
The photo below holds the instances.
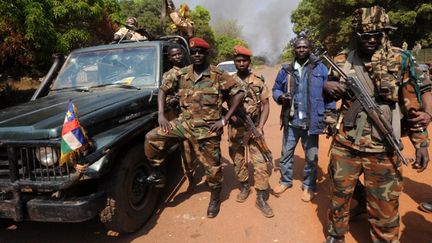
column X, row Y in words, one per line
column 198, row 42
column 241, row 50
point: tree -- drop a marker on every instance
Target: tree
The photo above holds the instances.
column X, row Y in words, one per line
column 147, row 13
column 32, row 30
column 201, row 18
column 225, row 46
column 329, row 22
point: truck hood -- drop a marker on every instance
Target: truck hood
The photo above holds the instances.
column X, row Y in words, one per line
column 43, row 118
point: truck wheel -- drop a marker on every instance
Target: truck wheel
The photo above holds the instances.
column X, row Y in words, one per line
column 130, row 200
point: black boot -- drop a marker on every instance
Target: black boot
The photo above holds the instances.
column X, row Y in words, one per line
column 333, row 239
column 157, row 178
column 214, row 205
column 262, row 205
column 244, row 192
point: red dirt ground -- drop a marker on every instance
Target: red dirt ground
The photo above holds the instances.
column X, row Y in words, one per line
column 182, row 217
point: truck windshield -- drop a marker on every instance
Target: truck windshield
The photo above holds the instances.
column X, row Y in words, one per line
column 121, row 67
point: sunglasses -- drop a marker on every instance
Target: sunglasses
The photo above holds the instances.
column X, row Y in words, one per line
column 369, row 35
column 198, row 51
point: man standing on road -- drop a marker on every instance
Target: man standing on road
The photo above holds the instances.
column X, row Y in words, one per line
column 201, row 89
column 257, row 107
column 358, row 145
column 298, row 88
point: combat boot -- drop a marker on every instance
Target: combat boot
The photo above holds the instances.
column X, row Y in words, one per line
column 157, row 178
column 214, row 205
column 244, row 192
column 262, row 205
column 334, row 239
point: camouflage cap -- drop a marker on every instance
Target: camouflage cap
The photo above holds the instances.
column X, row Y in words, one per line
column 371, row 19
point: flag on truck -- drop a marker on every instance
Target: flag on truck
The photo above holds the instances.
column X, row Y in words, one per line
column 75, row 141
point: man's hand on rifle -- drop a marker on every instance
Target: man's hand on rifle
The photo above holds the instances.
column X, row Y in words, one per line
column 422, row 159
column 260, row 130
column 284, row 99
column 334, row 89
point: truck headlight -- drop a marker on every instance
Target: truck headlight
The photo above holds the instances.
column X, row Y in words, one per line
column 47, row 156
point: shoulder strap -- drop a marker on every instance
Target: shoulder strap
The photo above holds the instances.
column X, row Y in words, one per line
column 362, row 74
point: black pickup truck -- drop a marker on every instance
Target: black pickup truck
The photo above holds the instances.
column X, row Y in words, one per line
column 114, row 88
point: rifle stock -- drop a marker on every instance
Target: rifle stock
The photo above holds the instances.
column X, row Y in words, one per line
column 258, row 137
column 369, row 105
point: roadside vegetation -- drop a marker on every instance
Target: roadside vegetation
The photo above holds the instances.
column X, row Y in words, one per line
column 31, row 31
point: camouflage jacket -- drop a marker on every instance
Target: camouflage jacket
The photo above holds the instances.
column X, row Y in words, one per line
column 201, row 99
column 256, row 92
column 391, row 87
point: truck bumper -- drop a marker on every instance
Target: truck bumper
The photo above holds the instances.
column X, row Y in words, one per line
column 47, row 209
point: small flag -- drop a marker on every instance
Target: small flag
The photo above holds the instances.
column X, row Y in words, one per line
column 74, row 138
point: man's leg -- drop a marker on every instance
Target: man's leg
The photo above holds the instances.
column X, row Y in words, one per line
column 310, row 146
column 290, row 139
column 261, row 177
column 344, row 169
column 383, row 187
column 156, row 145
column 209, row 154
column 360, row 197
column 237, row 154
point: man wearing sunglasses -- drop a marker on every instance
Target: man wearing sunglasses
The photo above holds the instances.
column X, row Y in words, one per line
column 202, row 88
column 358, row 145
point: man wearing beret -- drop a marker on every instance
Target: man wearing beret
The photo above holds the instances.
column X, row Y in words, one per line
column 388, row 73
column 299, row 89
column 257, row 107
column 202, row 88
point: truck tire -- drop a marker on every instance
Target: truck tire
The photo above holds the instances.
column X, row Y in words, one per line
column 130, row 200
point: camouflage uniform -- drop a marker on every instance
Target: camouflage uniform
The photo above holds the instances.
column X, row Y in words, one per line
column 257, row 92
column 360, row 148
column 174, row 111
column 200, row 103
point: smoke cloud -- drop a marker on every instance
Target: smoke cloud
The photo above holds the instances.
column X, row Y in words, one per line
column 266, row 25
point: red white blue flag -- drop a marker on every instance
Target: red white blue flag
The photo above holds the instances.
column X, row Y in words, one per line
column 74, row 138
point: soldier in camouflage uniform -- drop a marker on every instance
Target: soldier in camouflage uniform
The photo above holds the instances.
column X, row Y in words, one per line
column 175, row 58
column 257, row 106
column 201, row 88
column 360, row 148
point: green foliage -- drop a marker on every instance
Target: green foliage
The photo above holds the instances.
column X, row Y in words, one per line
column 147, row 13
column 201, row 18
column 225, row 46
column 32, row 30
column 329, row 22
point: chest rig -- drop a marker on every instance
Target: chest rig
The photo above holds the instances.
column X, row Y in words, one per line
column 382, row 85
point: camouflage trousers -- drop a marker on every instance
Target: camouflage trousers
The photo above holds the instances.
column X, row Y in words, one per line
column 383, row 182
column 207, row 150
column 237, row 153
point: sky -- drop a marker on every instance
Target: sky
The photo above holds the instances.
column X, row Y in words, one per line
column 266, row 24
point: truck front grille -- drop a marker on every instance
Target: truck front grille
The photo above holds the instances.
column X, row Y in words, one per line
column 34, row 162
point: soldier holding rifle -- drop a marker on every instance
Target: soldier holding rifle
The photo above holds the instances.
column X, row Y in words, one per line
column 250, row 118
column 367, row 138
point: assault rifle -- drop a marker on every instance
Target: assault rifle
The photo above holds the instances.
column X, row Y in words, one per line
column 369, row 105
column 258, row 137
column 286, row 108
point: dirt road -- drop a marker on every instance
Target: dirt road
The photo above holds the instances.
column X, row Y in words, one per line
column 182, row 217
